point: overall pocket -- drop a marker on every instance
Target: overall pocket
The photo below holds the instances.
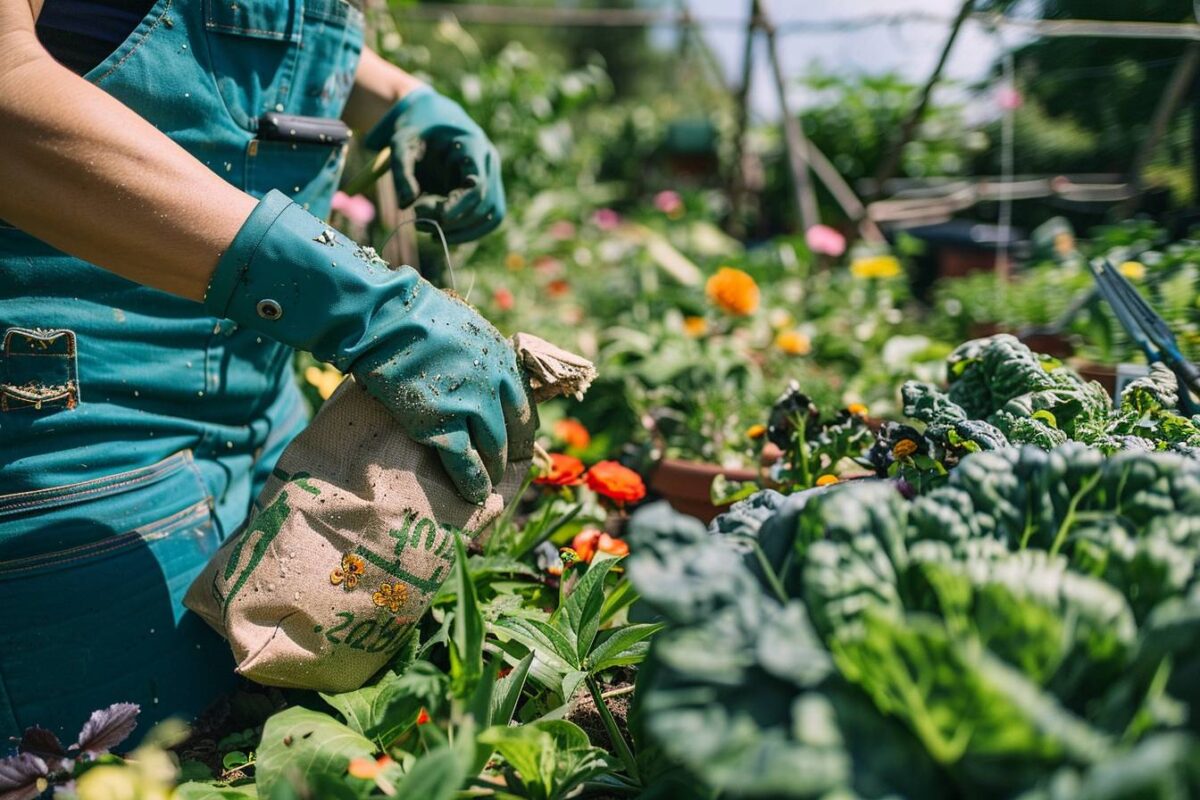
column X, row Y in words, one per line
column 94, row 619
column 308, row 173
column 38, row 370
column 253, row 48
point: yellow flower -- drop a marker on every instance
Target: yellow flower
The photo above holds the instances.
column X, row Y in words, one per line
column 1064, row 243
column 514, row 261
column 857, row 409
column 794, row 343
column 733, row 291
column 756, row 431
column 904, row 448
column 695, row 326
column 1134, row 270
column 351, row 569
column 883, row 266
column 325, row 378
column 827, row 480
column 390, row 596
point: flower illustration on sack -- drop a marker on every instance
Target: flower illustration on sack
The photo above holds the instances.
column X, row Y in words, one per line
column 347, row 575
column 390, row 596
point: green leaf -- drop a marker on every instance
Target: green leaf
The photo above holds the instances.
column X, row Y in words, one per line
column 550, row 758
column 467, row 631
column 298, row 744
column 235, row 758
column 622, row 647
column 622, row 596
column 551, row 644
column 508, row 692
column 579, row 617
column 386, row 709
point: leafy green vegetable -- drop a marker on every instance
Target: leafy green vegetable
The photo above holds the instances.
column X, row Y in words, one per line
column 1020, row 628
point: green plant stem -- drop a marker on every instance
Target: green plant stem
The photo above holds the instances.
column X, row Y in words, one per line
column 772, row 579
column 618, row 692
column 614, row 733
column 1069, row 517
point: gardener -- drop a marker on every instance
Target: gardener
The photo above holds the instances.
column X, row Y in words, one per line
column 159, row 260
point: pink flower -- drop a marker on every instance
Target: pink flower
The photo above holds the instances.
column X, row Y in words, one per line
column 358, row 210
column 606, row 219
column 1008, row 98
column 825, row 240
column 562, row 230
column 669, row 202
column 504, row 299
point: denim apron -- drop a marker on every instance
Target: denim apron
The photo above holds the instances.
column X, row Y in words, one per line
column 135, row 430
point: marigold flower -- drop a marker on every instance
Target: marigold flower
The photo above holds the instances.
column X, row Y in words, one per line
column 1134, row 270
column 869, row 267
column 904, row 448
column 733, row 291
column 695, row 327
column 557, row 288
column 564, row 470
column 827, row 480
column 591, row 541
column 347, row 574
column 825, row 240
column 572, row 433
column 514, row 261
column 390, row 596
column 857, row 409
column 423, row 717
column 363, row 768
column 616, row 482
column 756, row 431
column 794, row 343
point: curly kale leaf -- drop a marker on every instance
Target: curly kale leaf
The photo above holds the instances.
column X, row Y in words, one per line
column 985, row 374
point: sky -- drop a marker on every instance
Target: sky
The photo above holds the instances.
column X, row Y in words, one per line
column 910, row 49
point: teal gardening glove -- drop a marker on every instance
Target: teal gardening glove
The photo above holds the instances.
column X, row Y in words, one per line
column 437, row 149
column 447, row 375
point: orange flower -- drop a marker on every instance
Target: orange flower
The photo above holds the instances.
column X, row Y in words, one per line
column 352, row 568
column 366, row 768
column 794, row 343
column 756, row 431
column 827, row 480
column 557, row 288
column 590, row 541
column 695, row 326
column 503, row 299
column 857, row 409
column 423, row 717
column 572, row 433
column 616, row 482
column 564, row 471
column 904, row 448
column 733, row 291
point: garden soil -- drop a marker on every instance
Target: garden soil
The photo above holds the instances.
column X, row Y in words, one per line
column 353, row 535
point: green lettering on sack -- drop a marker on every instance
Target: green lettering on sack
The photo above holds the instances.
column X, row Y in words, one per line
column 299, row 478
column 430, row 528
column 267, row 524
column 393, row 568
column 401, row 536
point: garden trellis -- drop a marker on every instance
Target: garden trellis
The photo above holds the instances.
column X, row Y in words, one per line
column 903, row 205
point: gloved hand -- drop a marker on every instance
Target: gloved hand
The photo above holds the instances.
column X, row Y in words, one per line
column 438, row 149
column 443, row 371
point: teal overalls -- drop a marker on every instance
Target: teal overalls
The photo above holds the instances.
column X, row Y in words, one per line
column 134, row 430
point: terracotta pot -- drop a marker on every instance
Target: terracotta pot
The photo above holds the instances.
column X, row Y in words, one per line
column 1104, row 374
column 1052, row 344
column 685, row 485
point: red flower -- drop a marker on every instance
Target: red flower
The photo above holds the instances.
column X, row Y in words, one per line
column 504, row 299
column 557, row 288
column 572, row 433
column 423, row 717
column 590, row 541
column 616, row 482
column 564, row 471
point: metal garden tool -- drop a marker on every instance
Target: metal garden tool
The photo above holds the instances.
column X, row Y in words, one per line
column 1147, row 329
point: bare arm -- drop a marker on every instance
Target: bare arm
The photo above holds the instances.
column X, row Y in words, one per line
column 377, row 86
column 87, row 175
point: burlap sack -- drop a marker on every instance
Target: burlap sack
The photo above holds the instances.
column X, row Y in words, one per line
column 351, row 538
